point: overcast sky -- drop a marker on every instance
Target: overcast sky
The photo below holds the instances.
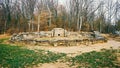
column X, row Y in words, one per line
column 62, row 1
column 0, row 1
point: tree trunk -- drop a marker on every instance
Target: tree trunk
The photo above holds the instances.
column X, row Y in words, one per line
column 100, row 27
column 38, row 23
column 29, row 24
column 50, row 15
column 5, row 27
column 80, row 24
column 32, row 25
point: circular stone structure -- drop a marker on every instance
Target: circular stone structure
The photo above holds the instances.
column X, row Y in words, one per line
column 58, row 37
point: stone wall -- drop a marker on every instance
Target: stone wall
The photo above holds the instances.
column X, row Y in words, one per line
column 58, row 36
column 56, row 32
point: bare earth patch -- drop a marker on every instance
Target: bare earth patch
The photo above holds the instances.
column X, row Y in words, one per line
column 4, row 36
column 72, row 51
column 75, row 50
column 53, row 65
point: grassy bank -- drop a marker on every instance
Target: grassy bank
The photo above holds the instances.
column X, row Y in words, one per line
column 18, row 57
column 3, row 39
column 103, row 59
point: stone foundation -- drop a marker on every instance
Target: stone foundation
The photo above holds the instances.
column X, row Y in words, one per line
column 58, row 37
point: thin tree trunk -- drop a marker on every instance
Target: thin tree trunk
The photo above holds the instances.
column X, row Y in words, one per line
column 18, row 26
column 39, row 23
column 32, row 25
column 29, row 24
column 80, row 24
column 5, row 27
column 100, row 26
column 50, row 15
column 78, row 21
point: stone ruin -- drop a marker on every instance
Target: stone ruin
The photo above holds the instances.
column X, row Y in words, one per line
column 117, row 33
column 58, row 36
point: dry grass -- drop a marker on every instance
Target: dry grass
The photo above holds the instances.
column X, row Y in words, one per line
column 4, row 36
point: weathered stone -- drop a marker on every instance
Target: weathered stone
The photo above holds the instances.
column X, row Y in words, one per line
column 55, row 44
column 59, row 32
column 117, row 33
column 58, row 37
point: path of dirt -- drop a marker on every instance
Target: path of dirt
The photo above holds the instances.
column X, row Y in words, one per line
column 53, row 65
column 4, row 36
column 74, row 50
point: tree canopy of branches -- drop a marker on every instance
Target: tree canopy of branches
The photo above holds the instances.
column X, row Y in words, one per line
column 75, row 15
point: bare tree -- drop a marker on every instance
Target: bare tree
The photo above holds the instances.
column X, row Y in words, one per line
column 82, row 10
column 7, row 8
column 28, row 7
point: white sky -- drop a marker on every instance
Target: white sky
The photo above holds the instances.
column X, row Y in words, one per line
column 62, row 1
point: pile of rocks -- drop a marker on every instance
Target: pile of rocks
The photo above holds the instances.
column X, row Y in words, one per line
column 24, row 36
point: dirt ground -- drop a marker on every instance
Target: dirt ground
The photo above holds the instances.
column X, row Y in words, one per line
column 72, row 51
column 53, row 65
column 75, row 50
column 4, row 36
